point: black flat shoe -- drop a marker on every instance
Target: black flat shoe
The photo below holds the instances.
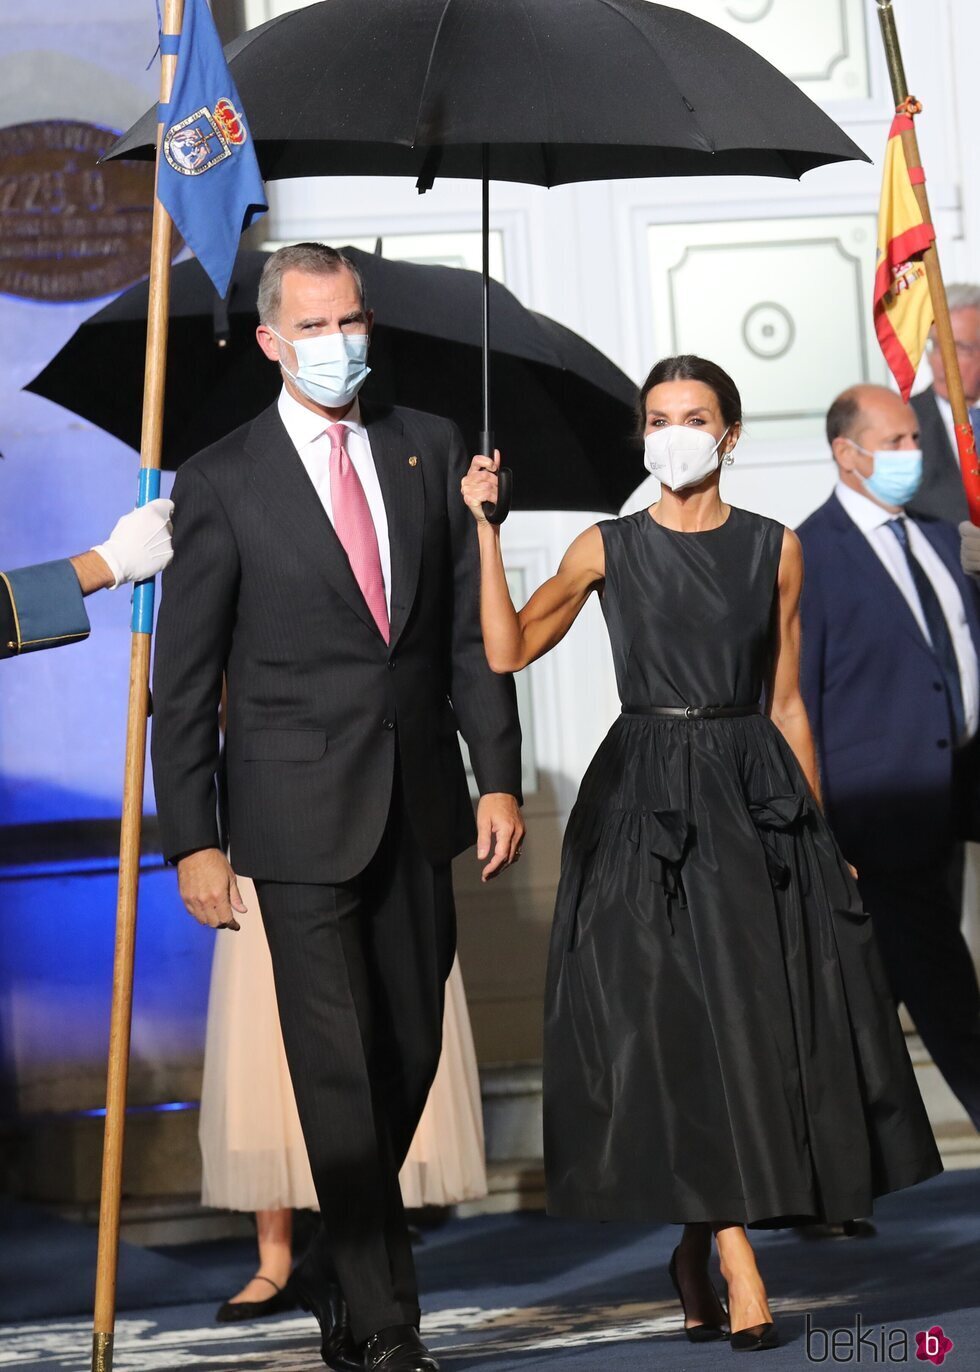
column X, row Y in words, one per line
column 755, row 1338
column 697, row 1333
column 398, row 1349
column 282, row 1299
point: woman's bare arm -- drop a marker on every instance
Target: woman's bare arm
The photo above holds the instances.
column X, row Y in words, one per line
column 515, row 638
column 786, row 707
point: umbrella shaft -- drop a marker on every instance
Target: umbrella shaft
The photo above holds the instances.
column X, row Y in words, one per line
column 487, row 435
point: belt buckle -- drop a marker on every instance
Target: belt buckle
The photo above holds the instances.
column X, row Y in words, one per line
column 691, row 712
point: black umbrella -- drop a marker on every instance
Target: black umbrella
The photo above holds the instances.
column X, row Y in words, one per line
column 541, row 91
column 563, row 410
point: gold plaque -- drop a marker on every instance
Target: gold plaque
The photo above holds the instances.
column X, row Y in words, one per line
column 70, row 229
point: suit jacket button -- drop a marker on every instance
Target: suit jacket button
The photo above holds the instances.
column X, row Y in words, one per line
column 388, row 724
column 937, row 685
column 391, row 664
column 942, row 742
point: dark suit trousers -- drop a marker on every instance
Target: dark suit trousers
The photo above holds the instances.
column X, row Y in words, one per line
column 916, row 919
column 360, row 973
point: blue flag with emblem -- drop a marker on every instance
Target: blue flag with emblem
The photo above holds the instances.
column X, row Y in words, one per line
column 208, row 178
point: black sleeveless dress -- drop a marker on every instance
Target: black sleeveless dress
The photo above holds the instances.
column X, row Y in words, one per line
column 720, row 1041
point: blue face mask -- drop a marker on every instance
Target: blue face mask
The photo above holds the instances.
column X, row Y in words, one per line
column 331, row 369
column 897, row 474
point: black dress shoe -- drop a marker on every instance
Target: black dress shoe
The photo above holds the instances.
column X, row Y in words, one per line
column 317, row 1290
column 755, row 1338
column 282, row 1299
column 397, row 1349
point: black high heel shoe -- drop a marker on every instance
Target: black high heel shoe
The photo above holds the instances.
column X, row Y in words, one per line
column 755, row 1338
column 697, row 1333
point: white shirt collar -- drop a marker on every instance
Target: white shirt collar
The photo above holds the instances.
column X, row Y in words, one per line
column 867, row 514
column 304, row 426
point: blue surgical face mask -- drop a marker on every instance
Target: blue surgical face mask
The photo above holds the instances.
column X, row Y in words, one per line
column 331, row 368
column 896, row 476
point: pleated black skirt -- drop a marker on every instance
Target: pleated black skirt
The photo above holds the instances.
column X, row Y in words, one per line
column 720, row 1040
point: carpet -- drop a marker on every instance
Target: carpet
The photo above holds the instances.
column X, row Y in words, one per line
column 512, row 1292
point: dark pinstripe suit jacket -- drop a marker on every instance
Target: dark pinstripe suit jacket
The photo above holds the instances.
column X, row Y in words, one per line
column 318, row 704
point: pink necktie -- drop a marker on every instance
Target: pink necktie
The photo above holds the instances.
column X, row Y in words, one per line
column 355, row 527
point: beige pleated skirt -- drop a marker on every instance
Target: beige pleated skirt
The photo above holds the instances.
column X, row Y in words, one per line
column 252, row 1148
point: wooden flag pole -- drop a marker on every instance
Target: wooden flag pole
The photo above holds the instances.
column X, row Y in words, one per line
column 906, row 104
column 135, row 768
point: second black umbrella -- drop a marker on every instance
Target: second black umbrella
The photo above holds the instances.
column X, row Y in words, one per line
column 564, row 412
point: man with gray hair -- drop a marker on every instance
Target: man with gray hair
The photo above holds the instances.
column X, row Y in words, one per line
column 325, row 564
column 941, row 495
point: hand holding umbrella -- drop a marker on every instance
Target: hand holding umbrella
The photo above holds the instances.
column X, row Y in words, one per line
column 480, row 487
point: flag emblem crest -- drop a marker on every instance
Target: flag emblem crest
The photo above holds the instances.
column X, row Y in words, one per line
column 210, row 211
column 202, row 140
column 902, row 302
column 904, row 277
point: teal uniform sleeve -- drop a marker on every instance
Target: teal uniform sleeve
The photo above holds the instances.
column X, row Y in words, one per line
column 41, row 607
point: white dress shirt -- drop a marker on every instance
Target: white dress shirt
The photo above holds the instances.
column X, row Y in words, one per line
column 308, row 433
column 872, row 520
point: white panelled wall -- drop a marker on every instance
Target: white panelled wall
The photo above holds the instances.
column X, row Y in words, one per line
column 771, row 279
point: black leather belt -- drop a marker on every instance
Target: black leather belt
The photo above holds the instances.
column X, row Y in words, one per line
column 692, row 711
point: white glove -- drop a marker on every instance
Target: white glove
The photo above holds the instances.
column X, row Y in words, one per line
column 970, row 548
column 139, row 546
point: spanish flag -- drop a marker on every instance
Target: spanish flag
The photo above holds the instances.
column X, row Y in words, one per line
column 902, row 305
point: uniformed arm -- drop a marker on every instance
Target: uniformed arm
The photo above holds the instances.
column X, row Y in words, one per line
column 785, row 699
column 485, row 703
column 513, row 638
column 193, row 639
column 42, row 606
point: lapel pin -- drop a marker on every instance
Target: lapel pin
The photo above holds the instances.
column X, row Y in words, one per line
column 413, row 461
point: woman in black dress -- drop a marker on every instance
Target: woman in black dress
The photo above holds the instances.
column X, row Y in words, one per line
column 721, row 1049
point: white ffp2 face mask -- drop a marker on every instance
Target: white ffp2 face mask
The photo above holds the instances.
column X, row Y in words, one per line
column 680, row 455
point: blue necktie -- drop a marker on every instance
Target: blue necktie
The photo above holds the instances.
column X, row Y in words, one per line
column 942, row 640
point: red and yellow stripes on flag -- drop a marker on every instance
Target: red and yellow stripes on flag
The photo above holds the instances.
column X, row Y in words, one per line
column 902, row 304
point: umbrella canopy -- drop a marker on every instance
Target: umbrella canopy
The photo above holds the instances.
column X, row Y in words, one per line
column 540, row 91
column 564, row 412
column 556, row 90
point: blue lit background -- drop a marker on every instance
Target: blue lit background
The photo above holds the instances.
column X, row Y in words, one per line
column 63, row 484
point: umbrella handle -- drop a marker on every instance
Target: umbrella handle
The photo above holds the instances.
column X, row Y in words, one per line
column 497, row 513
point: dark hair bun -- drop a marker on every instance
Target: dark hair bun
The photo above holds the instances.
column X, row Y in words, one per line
column 688, row 367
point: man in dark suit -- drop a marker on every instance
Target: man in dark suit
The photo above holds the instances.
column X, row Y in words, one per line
column 890, row 636
column 325, row 562
column 940, row 496
column 43, row 606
